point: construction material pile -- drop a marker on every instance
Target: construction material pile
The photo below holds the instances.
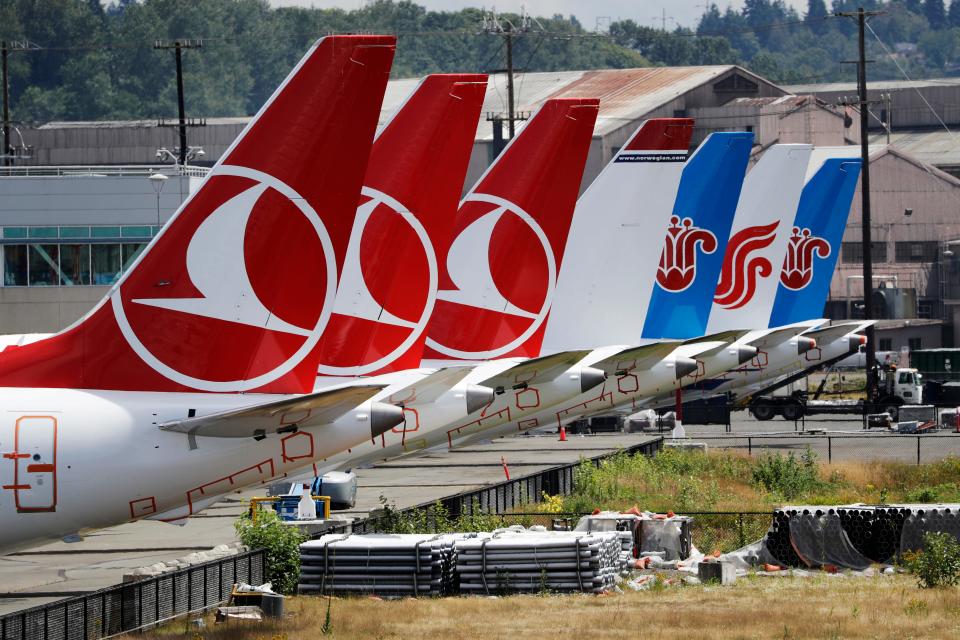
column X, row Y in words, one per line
column 508, row 561
column 386, row 565
column 854, row 536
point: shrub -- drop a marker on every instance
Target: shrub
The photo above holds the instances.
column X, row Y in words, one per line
column 938, row 565
column 282, row 544
column 787, row 476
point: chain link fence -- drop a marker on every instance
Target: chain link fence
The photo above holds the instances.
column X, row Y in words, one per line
column 844, row 447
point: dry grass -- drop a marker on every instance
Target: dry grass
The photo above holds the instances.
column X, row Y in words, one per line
column 818, row 607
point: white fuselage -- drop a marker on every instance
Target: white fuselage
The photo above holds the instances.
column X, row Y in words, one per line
column 73, row 460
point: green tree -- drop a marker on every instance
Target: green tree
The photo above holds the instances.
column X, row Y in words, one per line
column 935, row 13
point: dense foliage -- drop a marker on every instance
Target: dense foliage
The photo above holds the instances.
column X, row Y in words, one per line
column 282, row 543
column 94, row 59
column 776, row 41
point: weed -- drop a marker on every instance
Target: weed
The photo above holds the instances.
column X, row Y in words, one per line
column 938, row 565
column 327, row 627
column 916, row 608
column 786, row 476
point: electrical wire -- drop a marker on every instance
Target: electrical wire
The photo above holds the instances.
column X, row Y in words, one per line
column 917, row 89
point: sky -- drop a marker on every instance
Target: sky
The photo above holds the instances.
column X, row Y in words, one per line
column 648, row 12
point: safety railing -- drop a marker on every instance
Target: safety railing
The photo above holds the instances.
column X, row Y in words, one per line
column 41, row 171
column 136, row 605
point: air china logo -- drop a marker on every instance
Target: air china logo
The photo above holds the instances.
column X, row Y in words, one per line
column 368, row 293
column 501, row 275
column 678, row 262
column 742, row 267
column 798, row 265
column 252, row 297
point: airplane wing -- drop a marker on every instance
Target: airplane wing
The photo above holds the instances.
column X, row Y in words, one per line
column 534, row 370
column 633, row 358
column 429, row 388
column 712, row 344
column 284, row 415
column 723, row 336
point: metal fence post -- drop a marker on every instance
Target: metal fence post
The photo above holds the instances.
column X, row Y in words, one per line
column 740, row 529
column 918, row 450
column 749, row 446
column 829, row 450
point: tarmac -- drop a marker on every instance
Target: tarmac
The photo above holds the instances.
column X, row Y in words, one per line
column 61, row 570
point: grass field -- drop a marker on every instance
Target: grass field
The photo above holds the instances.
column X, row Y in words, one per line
column 758, row 607
column 685, row 481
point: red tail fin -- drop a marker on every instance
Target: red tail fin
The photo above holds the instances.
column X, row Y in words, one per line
column 662, row 134
column 500, row 271
column 404, row 222
column 235, row 292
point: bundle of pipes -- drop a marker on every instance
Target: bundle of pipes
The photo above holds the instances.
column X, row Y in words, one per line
column 511, row 561
column 850, row 535
column 386, row 565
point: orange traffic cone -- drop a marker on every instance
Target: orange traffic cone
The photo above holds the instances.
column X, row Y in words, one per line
column 563, row 433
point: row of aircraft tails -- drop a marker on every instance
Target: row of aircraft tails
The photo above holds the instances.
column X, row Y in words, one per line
column 327, row 299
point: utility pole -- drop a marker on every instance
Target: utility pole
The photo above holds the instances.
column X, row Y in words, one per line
column 861, row 16
column 492, row 23
column 6, row 107
column 178, row 46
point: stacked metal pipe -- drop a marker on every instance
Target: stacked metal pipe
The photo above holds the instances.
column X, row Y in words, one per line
column 510, row 561
column 386, row 565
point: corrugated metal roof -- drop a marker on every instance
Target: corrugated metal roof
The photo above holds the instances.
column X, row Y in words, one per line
column 937, row 147
column 625, row 94
column 875, row 85
column 788, row 101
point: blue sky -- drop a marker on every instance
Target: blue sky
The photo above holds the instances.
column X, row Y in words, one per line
column 649, row 12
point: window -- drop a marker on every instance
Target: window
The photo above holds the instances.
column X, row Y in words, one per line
column 915, row 344
column 924, row 251
column 905, row 377
column 885, row 344
column 852, row 252
column 15, row 265
column 106, row 263
column 43, row 267
column 130, row 253
column 74, row 264
column 76, row 255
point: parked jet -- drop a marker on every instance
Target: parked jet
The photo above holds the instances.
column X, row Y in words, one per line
column 147, row 405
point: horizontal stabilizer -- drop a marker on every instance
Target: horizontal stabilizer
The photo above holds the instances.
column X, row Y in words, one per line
column 535, row 370
column 834, row 332
column 292, row 412
column 429, row 388
column 776, row 337
column 723, row 336
column 636, row 358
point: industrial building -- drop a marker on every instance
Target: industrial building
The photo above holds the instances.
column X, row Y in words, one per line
column 84, row 195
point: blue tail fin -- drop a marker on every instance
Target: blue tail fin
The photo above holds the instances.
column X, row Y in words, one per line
column 814, row 244
column 696, row 241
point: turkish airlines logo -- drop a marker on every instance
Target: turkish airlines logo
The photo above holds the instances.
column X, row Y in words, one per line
column 798, row 265
column 260, row 286
column 369, row 291
column 678, row 262
column 501, row 277
column 742, row 268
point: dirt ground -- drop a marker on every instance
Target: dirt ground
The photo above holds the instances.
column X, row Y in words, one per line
column 757, row 607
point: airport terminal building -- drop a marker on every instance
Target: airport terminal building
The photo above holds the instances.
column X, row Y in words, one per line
column 90, row 195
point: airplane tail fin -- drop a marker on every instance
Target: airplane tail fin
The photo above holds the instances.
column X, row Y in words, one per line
column 236, row 290
column 814, row 243
column 758, row 239
column 498, row 278
column 695, row 240
column 615, row 237
column 404, row 222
